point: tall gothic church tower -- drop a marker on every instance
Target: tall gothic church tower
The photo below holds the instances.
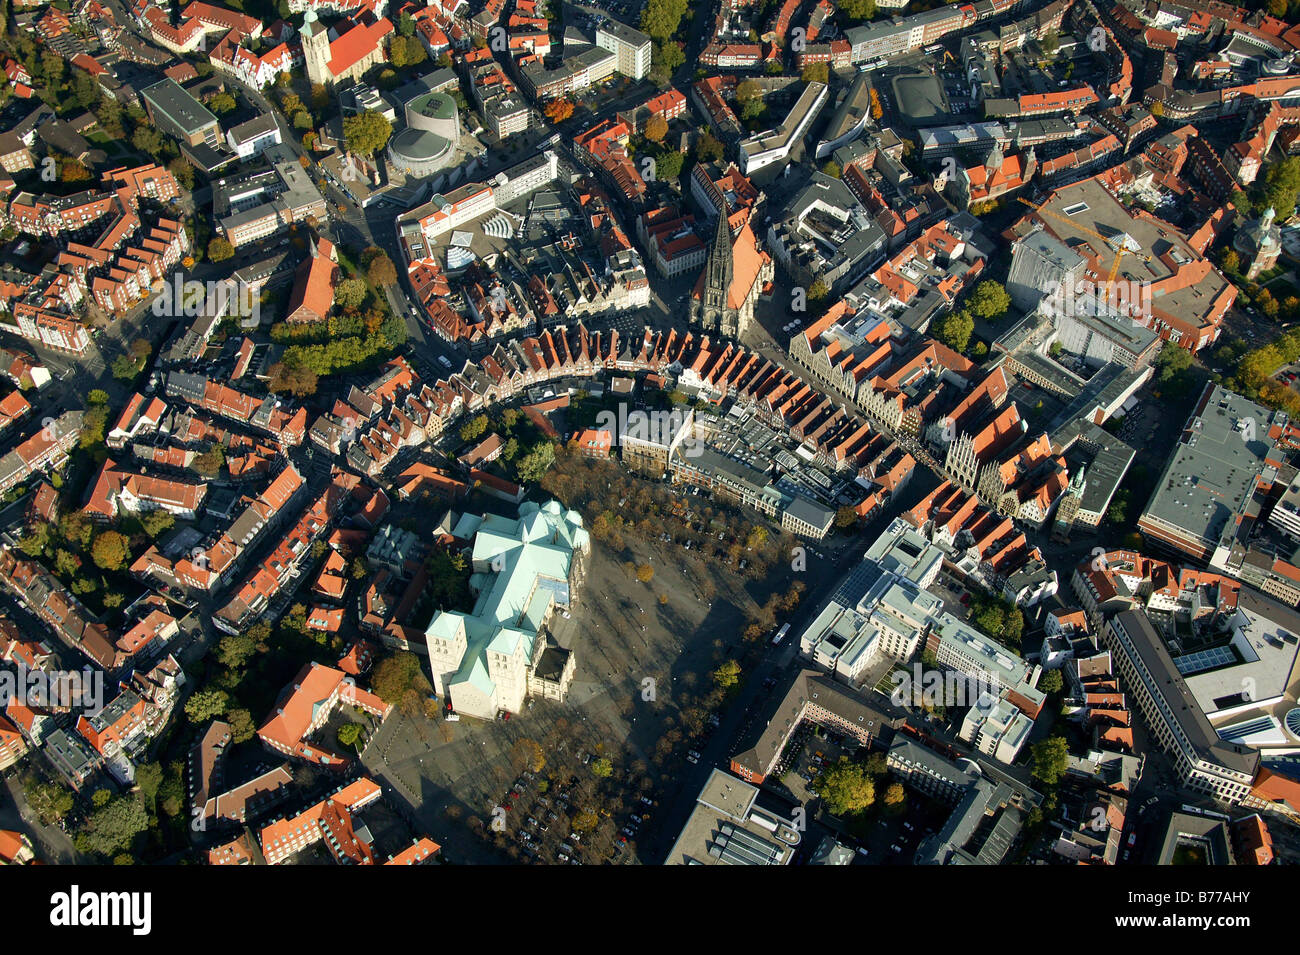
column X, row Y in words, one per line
column 315, row 42
column 711, row 310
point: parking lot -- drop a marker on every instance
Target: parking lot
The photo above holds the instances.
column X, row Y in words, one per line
column 956, row 598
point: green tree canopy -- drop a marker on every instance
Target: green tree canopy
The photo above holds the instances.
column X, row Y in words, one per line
column 954, row 329
column 989, row 300
column 204, row 705
column 366, row 133
column 1050, row 759
column 115, row 825
column 846, row 787
column 111, row 550
column 350, row 293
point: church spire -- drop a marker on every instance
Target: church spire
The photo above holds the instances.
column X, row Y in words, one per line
column 721, row 266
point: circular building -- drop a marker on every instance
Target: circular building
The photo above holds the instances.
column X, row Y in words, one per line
column 428, row 143
column 418, row 153
column 434, row 113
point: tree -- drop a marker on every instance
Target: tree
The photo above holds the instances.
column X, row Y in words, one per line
column 727, row 675
column 149, row 777
column 37, row 540
column 1050, row 758
column 558, row 110
column 859, row 9
column 816, row 73
column 205, row 705
column 209, row 463
column 656, row 128
column 115, row 825
column 533, row 465
column 845, row 517
column 366, row 133
column 381, row 271
column 349, row 735
column 846, row 787
column 146, row 139
column 292, row 378
column 400, row 680
column 49, row 801
column 234, row 650
column 528, row 754
column 749, row 91
column 242, row 727
column 989, row 300
column 895, row 795
column 350, row 293
column 954, row 329
column 1230, row 262
column 475, row 428
column 818, row 291
column 668, row 165
column 222, row 103
column 708, row 147
column 832, row 168
column 665, row 58
column 1051, row 682
column 1171, row 367
column 220, row 249
column 73, row 171
column 645, row 573
column 124, row 369
column 602, row 768
column 111, row 550
column 156, row 523
column 1282, row 186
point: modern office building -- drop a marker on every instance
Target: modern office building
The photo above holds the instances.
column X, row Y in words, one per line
column 731, row 825
column 774, row 145
column 1210, row 492
column 631, row 47
column 177, row 113
column 1204, row 761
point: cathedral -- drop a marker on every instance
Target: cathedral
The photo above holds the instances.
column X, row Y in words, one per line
column 728, row 288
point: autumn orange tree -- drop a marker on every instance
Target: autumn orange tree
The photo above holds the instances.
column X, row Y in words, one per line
column 558, row 110
column 656, row 128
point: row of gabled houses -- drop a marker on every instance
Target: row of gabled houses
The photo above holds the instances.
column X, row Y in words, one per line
column 399, row 410
column 983, row 545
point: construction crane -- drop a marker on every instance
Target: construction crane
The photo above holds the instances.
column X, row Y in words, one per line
column 1121, row 247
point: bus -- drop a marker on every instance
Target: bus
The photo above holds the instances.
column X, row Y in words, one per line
column 933, row 48
column 780, row 634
